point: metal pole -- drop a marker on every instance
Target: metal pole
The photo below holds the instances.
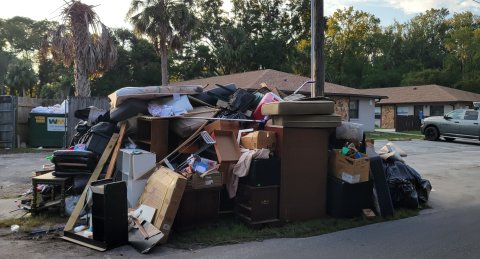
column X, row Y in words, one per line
column 317, row 55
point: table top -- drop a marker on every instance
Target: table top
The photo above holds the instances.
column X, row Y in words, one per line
column 50, row 177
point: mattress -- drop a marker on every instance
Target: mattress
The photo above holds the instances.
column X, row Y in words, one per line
column 150, row 92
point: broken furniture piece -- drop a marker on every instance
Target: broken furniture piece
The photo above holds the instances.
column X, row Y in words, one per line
column 56, row 199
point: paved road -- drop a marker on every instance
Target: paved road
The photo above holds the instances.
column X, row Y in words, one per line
column 449, row 230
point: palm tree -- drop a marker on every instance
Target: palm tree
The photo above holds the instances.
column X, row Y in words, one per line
column 83, row 40
column 167, row 23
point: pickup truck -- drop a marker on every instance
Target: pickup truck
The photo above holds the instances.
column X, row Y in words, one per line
column 461, row 123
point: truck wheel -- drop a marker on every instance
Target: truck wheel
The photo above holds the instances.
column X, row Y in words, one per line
column 431, row 133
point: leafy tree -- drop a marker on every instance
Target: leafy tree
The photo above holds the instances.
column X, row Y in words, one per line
column 85, row 41
column 137, row 64
column 4, row 61
column 20, row 76
column 424, row 39
column 347, row 45
column 462, row 41
column 167, row 23
column 24, row 35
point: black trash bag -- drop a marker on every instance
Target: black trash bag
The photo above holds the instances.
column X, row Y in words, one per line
column 403, row 193
column 211, row 97
column 241, row 101
column 128, row 109
column 407, row 188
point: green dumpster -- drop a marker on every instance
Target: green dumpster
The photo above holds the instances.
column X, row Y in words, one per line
column 46, row 130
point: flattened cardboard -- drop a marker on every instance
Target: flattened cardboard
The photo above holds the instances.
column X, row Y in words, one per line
column 164, row 191
column 226, row 146
column 259, row 139
column 349, row 169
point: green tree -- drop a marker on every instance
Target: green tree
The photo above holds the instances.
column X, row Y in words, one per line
column 167, row 23
column 137, row 65
column 348, row 47
column 24, row 35
column 84, row 41
column 20, row 76
column 424, row 39
column 462, row 41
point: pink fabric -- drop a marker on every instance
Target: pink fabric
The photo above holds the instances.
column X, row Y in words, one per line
column 268, row 98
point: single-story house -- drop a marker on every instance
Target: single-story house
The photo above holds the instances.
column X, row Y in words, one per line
column 405, row 106
column 350, row 103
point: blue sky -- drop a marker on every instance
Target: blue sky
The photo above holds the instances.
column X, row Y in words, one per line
column 112, row 12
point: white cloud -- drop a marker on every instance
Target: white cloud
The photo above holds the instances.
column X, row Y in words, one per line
column 416, row 6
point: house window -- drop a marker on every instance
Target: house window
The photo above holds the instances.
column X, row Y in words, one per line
column 402, row 110
column 353, row 109
column 378, row 112
column 436, row 110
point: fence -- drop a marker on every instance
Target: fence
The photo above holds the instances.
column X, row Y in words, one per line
column 407, row 123
column 78, row 103
column 17, row 123
column 7, row 121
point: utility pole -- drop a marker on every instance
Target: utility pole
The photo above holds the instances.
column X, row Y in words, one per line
column 317, row 53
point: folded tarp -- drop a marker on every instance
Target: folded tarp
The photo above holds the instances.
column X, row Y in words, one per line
column 151, row 92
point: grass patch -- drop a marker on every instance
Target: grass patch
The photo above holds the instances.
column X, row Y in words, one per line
column 392, row 136
column 29, row 223
column 230, row 231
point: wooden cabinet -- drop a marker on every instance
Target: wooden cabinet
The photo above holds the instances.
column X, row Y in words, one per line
column 152, row 135
column 257, row 205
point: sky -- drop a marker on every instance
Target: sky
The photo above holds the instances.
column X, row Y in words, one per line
column 112, row 12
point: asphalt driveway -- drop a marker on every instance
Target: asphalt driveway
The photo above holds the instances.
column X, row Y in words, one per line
column 448, row 230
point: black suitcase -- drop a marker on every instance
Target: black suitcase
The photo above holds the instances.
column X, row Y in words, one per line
column 74, row 162
column 100, row 135
column 263, row 172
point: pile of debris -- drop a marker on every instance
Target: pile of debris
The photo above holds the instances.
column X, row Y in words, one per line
column 168, row 158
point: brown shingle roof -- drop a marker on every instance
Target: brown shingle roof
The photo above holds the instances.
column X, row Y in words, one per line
column 281, row 80
column 423, row 94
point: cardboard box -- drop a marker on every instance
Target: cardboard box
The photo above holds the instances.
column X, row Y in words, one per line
column 135, row 162
column 209, row 181
column 259, row 139
column 349, row 169
column 223, row 125
column 164, row 191
column 226, row 146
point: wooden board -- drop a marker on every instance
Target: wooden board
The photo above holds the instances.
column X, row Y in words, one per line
column 96, row 173
column 113, row 161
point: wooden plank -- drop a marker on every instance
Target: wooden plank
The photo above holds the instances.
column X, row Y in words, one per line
column 76, row 241
column 113, row 161
column 96, row 173
column 192, row 137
